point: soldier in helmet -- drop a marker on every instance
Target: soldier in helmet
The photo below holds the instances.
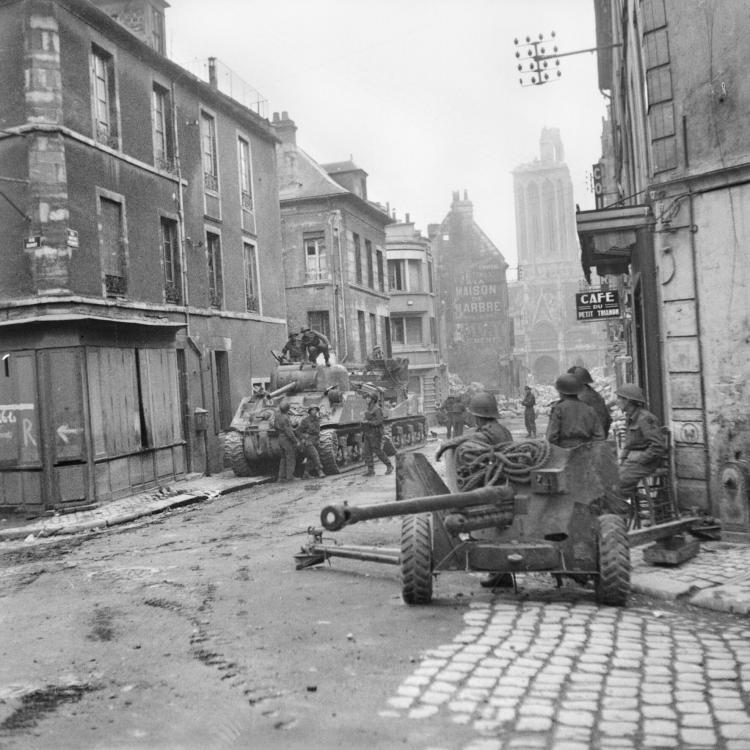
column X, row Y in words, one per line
column 589, row 396
column 309, row 437
column 529, row 415
column 288, row 443
column 292, row 350
column 571, row 421
column 483, row 407
column 644, row 443
column 315, row 343
column 373, row 436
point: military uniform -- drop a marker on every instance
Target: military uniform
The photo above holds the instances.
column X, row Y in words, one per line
column 309, row 437
column 493, row 432
column 292, row 349
column 373, row 438
column 529, row 415
column 643, row 450
column 589, row 396
column 314, row 344
column 288, row 444
column 456, row 410
column 571, row 422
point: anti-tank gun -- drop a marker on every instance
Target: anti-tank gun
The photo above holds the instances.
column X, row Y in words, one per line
column 554, row 511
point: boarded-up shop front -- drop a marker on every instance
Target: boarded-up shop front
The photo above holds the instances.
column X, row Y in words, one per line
column 87, row 415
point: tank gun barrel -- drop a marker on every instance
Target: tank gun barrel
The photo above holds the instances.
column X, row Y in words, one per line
column 288, row 388
column 335, row 517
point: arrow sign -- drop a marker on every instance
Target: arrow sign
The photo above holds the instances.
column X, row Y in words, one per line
column 63, row 431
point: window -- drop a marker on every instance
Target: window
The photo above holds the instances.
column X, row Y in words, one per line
column 103, row 97
column 252, row 300
column 357, row 259
column 171, row 260
column 215, row 282
column 381, row 275
column 368, row 254
column 162, row 120
column 385, row 334
column 246, row 184
column 210, row 157
column 362, row 336
column 319, row 320
column 157, row 30
column 415, row 276
column 316, row 262
column 112, row 246
column 433, row 331
column 430, row 283
column 373, row 330
column 396, row 276
column 406, row 331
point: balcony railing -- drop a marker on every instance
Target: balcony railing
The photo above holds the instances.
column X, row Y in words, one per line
column 104, row 136
column 211, row 182
column 215, row 298
column 172, row 293
column 315, row 275
column 115, row 285
column 252, row 304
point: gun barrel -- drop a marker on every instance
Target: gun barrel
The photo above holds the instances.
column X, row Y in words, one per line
column 335, row 517
column 284, row 389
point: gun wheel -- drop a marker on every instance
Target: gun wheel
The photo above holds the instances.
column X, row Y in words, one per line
column 613, row 581
column 328, row 450
column 416, row 559
column 234, row 453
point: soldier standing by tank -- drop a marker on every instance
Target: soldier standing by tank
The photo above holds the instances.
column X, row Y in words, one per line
column 315, row 343
column 529, row 415
column 373, row 436
column 455, row 412
column 292, row 350
column 571, row 421
column 309, row 438
column 288, row 443
column 483, row 407
column 644, row 443
column 589, row 396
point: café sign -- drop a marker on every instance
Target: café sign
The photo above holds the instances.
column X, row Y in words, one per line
column 597, row 304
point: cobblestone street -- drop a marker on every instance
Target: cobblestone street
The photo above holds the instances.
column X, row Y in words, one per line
column 577, row 676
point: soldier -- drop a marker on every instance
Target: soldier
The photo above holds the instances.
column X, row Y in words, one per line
column 571, row 421
column 292, row 350
column 529, row 415
column 288, row 443
column 373, row 435
column 455, row 412
column 483, row 407
column 309, row 437
column 589, row 396
column 315, row 343
column 644, row 443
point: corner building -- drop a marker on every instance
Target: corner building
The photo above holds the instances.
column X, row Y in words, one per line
column 139, row 293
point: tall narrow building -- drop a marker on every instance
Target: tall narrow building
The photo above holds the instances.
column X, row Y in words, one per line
column 548, row 336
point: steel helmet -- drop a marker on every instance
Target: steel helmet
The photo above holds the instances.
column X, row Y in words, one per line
column 569, row 384
column 484, row 405
column 284, row 407
column 632, row 392
column 581, row 373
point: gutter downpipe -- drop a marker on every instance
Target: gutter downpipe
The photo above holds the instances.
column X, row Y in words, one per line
column 335, row 221
column 183, row 268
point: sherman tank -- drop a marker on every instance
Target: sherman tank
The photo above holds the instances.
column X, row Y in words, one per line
column 251, row 443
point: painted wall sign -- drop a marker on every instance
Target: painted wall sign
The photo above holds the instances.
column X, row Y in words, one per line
column 597, row 304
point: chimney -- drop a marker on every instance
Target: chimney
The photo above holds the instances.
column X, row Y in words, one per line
column 143, row 18
column 406, row 219
column 212, row 79
column 285, row 129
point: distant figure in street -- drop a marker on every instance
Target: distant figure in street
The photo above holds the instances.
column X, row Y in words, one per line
column 309, row 438
column 455, row 412
column 571, row 422
column 288, row 443
column 315, row 343
column 529, row 415
column 589, row 396
column 373, row 436
column 292, row 350
column 483, row 407
column 644, row 443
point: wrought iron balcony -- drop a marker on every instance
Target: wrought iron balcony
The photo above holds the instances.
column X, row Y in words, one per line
column 172, row 293
column 252, row 303
column 115, row 285
column 315, row 275
column 215, row 298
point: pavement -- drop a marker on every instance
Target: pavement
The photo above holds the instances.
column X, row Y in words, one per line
column 717, row 578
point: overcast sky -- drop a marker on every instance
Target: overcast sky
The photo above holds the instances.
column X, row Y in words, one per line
column 422, row 94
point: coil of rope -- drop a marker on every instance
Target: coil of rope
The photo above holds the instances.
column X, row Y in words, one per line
column 481, row 464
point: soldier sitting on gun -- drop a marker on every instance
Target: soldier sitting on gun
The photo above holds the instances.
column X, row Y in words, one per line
column 571, row 422
column 308, row 433
column 644, row 443
column 483, row 406
column 315, row 343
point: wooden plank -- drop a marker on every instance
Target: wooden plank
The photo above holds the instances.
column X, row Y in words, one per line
column 96, row 405
column 652, row 533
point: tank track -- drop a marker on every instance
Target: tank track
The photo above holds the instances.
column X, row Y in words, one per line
column 234, row 454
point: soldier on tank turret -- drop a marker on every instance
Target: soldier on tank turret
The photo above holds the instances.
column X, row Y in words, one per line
column 293, row 351
column 315, row 343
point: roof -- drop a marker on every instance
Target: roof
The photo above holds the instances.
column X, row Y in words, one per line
column 336, row 167
column 300, row 176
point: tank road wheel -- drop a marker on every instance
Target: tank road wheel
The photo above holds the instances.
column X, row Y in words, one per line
column 408, row 434
column 613, row 581
column 234, row 452
column 416, row 559
column 328, row 450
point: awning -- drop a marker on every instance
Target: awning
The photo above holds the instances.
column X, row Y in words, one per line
column 608, row 237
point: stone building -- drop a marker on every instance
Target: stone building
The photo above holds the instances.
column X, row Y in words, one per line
column 140, row 291
column 334, row 262
column 414, row 312
column 680, row 125
column 548, row 336
column 474, row 299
